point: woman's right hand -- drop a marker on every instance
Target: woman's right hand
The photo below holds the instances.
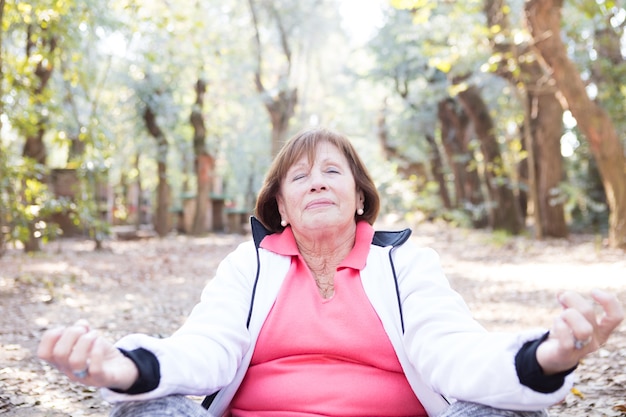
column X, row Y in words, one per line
column 86, row 357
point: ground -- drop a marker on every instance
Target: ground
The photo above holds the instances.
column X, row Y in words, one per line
column 150, row 285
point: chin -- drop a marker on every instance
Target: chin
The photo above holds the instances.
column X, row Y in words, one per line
column 325, row 225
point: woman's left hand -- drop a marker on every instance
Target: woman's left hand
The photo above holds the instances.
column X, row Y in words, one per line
column 578, row 330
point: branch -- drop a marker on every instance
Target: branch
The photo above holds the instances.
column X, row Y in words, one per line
column 257, row 75
column 283, row 37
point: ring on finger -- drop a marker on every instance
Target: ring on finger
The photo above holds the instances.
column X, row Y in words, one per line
column 579, row 344
column 82, row 373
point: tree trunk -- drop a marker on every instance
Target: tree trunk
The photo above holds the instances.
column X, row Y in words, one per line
column 406, row 168
column 3, row 157
column 161, row 220
column 543, row 125
column 34, row 147
column 455, row 137
column 204, row 163
column 205, row 167
column 281, row 101
column 436, row 169
column 546, row 127
column 505, row 213
column 139, row 203
column 281, row 109
column 544, row 21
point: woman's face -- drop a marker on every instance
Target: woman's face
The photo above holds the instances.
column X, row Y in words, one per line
column 319, row 195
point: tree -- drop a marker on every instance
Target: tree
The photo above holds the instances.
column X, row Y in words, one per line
column 455, row 135
column 458, row 74
column 32, row 65
column 542, row 128
column 544, row 22
column 280, row 101
column 161, row 222
column 3, row 156
column 504, row 213
column 416, row 171
column 401, row 65
column 204, row 163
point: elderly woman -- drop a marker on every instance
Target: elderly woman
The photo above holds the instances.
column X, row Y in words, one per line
column 319, row 315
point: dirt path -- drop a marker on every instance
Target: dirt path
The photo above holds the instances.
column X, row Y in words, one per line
column 150, row 286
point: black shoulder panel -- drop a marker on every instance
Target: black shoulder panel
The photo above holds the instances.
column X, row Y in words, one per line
column 382, row 238
column 258, row 231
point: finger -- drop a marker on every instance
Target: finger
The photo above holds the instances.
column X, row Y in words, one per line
column 47, row 343
column 97, row 358
column 613, row 312
column 84, row 323
column 64, row 346
column 79, row 357
column 573, row 300
column 562, row 332
column 579, row 326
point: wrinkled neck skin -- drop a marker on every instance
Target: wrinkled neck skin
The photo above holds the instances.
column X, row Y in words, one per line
column 324, row 249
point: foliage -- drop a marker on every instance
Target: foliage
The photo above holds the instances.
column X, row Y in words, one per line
column 27, row 204
column 585, row 201
column 595, row 31
column 114, row 56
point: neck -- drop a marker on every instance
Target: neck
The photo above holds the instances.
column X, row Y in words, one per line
column 323, row 253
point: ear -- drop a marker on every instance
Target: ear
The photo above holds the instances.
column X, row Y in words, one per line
column 360, row 200
column 281, row 207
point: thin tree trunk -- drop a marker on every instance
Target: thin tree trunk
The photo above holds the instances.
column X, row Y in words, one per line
column 544, row 20
column 406, row 168
column 436, row 169
column 454, row 137
column 505, row 214
column 139, row 202
column 204, row 162
column 450, row 125
column 3, row 160
column 34, row 146
column 161, row 220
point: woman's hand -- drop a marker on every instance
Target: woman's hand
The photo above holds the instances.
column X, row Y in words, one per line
column 578, row 330
column 86, row 357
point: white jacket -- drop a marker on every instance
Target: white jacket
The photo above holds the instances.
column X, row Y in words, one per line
column 442, row 349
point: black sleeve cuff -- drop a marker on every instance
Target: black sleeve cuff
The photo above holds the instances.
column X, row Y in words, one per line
column 149, row 371
column 530, row 373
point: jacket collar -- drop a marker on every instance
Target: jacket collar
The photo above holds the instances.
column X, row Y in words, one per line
column 381, row 238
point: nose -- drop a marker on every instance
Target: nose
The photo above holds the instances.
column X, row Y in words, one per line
column 318, row 181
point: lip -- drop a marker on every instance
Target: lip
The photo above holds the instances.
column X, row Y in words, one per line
column 319, row 203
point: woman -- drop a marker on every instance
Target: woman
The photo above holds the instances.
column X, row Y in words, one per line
column 320, row 315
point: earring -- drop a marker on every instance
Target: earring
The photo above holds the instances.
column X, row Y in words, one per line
column 359, row 212
column 283, row 223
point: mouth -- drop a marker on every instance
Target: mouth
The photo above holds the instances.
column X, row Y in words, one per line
column 318, row 204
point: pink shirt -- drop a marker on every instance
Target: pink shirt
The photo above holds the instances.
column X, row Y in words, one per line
column 317, row 356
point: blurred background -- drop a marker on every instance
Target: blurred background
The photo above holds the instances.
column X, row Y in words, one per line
column 130, row 117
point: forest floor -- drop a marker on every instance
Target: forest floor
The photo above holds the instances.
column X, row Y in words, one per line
column 150, row 285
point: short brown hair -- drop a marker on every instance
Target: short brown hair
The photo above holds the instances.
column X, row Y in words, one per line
column 305, row 143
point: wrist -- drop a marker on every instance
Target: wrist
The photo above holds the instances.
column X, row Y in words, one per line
column 128, row 376
column 550, row 363
column 145, row 374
